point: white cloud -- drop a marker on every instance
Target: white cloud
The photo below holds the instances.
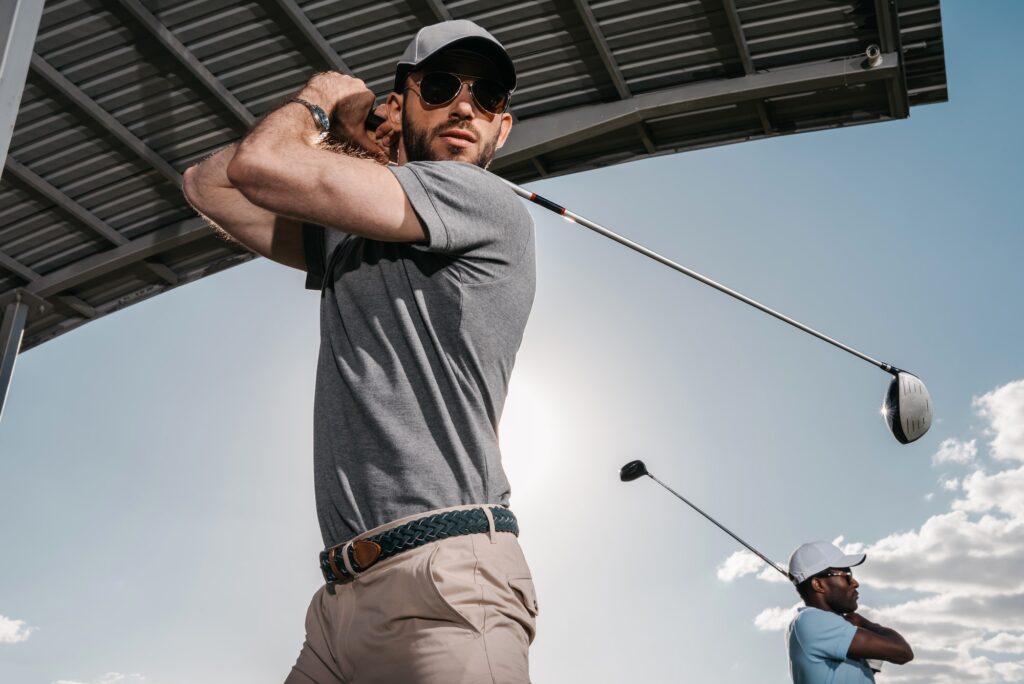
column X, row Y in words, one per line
column 108, row 678
column 13, row 631
column 954, row 451
column 953, row 554
column 737, row 565
column 1003, row 407
column 965, row 565
column 1004, row 643
column 775, row 619
column 1001, row 492
column 743, row 563
column 772, row 575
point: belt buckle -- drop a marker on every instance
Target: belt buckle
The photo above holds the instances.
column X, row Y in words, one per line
column 362, row 555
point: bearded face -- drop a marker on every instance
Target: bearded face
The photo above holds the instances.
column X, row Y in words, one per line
column 429, row 144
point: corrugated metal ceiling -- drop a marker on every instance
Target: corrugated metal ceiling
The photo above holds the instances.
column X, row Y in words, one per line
column 124, row 95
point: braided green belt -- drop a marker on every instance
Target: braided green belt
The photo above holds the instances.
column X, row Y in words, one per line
column 371, row 550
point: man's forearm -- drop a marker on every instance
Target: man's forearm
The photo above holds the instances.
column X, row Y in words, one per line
column 290, row 125
column 274, row 161
column 212, row 172
column 877, row 628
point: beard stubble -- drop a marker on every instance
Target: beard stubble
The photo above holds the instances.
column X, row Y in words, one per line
column 417, row 143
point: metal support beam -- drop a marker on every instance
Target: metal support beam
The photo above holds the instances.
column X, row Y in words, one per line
column 889, row 40
column 539, row 166
column 11, row 331
column 126, row 255
column 17, row 268
column 744, row 52
column 438, row 9
column 77, row 305
column 729, row 6
column 53, row 77
column 645, row 138
column 74, row 303
column 19, row 24
column 163, row 35
column 313, row 36
column 558, row 130
column 601, row 45
column 80, row 214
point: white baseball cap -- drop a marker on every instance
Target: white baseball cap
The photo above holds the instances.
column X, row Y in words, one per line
column 811, row 558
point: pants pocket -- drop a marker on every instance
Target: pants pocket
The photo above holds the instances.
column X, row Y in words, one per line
column 524, row 589
column 450, row 583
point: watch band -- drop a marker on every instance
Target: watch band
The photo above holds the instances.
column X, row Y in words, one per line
column 319, row 115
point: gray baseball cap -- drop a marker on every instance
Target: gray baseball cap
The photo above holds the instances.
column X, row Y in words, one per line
column 460, row 33
column 811, row 558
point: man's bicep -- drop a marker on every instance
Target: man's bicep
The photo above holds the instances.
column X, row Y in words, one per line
column 867, row 644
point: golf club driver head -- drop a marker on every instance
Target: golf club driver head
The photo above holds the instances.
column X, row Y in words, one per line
column 632, row 471
column 907, row 407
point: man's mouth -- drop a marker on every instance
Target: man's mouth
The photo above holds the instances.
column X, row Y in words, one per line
column 457, row 137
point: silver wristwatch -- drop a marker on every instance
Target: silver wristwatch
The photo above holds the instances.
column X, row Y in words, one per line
column 319, row 115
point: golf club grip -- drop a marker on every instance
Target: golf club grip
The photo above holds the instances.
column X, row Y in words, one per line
column 373, row 121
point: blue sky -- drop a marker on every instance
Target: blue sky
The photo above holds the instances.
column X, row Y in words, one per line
column 147, row 453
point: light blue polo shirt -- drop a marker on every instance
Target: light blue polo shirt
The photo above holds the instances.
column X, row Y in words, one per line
column 817, row 641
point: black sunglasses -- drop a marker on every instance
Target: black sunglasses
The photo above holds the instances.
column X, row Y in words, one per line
column 440, row 87
column 848, row 574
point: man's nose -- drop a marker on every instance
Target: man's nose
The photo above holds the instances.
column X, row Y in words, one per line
column 463, row 104
column 854, row 583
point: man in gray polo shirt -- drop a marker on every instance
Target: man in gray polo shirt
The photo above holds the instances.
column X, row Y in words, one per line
column 426, row 274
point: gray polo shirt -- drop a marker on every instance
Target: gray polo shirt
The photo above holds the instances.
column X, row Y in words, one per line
column 417, row 343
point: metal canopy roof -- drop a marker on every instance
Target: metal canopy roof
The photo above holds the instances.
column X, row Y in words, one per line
column 123, row 95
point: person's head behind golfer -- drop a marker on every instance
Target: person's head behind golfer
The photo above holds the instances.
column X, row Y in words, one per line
column 828, row 641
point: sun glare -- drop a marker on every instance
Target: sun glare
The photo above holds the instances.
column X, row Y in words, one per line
column 532, row 438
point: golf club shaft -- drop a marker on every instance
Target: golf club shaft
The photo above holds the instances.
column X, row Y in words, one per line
column 721, row 526
column 597, row 228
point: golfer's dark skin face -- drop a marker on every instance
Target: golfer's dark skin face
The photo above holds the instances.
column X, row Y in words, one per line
column 834, row 593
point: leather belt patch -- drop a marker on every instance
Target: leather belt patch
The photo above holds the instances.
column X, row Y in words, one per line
column 332, row 559
column 365, row 553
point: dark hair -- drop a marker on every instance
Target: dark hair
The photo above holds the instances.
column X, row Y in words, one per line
column 804, row 588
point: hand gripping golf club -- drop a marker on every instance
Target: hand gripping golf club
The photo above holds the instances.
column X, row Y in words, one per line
column 907, row 406
column 636, row 469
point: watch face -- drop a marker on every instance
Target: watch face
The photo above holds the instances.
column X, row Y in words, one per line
column 322, row 119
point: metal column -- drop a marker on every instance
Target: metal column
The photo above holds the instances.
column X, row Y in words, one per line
column 19, row 23
column 11, row 330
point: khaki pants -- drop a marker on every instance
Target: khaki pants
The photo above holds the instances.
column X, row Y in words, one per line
column 459, row 610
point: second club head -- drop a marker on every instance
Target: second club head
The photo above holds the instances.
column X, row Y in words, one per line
column 907, row 407
column 632, row 471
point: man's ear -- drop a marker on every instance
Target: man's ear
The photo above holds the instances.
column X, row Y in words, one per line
column 506, row 128
column 394, row 110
